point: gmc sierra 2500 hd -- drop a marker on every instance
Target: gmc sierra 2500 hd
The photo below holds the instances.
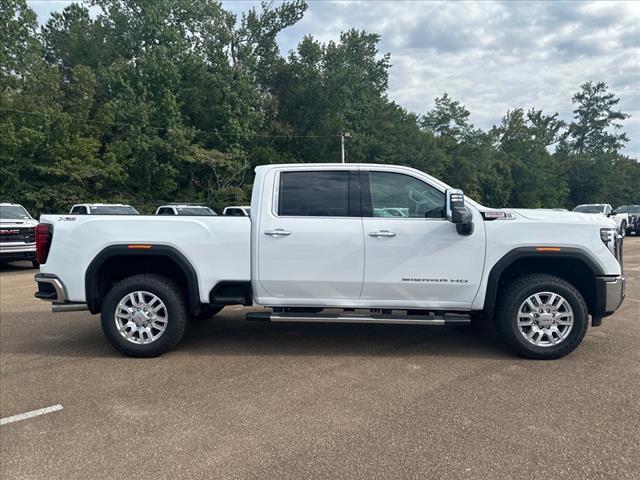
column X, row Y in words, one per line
column 339, row 243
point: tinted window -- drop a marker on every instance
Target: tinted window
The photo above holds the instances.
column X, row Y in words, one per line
column 113, row 210
column 314, row 194
column 628, row 209
column 403, row 196
column 196, row 211
column 588, row 209
column 165, row 211
column 79, row 210
column 234, row 212
column 14, row 212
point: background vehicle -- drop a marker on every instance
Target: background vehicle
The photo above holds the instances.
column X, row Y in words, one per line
column 186, row 210
column 316, row 250
column 621, row 219
column 237, row 211
column 102, row 209
column 17, row 234
column 633, row 212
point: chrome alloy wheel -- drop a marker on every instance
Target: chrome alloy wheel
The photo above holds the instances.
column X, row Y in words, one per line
column 545, row 319
column 141, row 317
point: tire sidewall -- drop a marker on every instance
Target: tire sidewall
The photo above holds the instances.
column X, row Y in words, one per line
column 175, row 314
column 580, row 319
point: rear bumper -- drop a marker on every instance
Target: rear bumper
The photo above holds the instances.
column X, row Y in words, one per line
column 609, row 295
column 51, row 289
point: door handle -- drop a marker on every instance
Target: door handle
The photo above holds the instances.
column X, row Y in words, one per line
column 382, row 233
column 278, row 232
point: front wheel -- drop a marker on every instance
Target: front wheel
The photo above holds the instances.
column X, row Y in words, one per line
column 542, row 316
column 144, row 315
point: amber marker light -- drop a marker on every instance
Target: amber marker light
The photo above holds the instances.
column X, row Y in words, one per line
column 548, row 249
column 139, row 247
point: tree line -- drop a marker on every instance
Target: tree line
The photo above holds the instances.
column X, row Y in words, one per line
column 147, row 102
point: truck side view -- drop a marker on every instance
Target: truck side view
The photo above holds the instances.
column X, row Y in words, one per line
column 349, row 243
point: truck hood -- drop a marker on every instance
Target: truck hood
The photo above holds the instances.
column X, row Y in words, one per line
column 561, row 216
column 10, row 223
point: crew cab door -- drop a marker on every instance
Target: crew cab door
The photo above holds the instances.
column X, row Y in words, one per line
column 413, row 254
column 307, row 238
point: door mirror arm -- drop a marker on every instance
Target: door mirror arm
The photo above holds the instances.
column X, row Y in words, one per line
column 457, row 212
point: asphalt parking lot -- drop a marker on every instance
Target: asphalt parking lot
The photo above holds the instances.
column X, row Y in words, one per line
column 248, row 400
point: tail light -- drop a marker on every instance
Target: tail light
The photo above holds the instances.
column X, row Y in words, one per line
column 44, row 233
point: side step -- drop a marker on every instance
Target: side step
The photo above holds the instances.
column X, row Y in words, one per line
column 348, row 317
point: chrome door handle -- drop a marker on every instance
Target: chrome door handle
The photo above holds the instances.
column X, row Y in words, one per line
column 382, row 233
column 278, row 232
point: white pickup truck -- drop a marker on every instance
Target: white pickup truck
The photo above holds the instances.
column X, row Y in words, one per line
column 620, row 218
column 320, row 246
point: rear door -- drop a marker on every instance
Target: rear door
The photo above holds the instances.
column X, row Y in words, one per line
column 310, row 240
column 414, row 256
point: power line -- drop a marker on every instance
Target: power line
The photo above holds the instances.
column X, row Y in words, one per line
column 122, row 124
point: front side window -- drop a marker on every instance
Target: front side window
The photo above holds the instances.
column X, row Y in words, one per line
column 314, row 194
column 402, row 196
column 113, row 210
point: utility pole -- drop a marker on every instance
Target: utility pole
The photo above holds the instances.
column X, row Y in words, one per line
column 342, row 137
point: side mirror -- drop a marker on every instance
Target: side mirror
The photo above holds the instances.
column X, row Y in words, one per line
column 457, row 212
column 612, row 214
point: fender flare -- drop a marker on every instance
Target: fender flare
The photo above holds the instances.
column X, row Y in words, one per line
column 493, row 281
column 92, row 290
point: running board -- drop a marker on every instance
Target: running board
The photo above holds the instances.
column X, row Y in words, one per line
column 433, row 319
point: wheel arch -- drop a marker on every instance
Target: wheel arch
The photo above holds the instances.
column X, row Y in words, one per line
column 572, row 264
column 116, row 262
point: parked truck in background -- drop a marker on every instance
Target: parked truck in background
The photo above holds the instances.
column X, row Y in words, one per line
column 321, row 246
column 17, row 234
column 633, row 211
column 621, row 218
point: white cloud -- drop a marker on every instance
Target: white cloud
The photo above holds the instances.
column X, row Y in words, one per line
column 490, row 55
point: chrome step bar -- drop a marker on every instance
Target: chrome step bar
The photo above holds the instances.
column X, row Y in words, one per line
column 301, row 317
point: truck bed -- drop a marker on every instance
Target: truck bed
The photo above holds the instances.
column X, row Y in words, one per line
column 218, row 247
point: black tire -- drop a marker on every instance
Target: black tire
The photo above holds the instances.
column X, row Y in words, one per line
column 515, row 293
column 207, row 313
column 167, row 291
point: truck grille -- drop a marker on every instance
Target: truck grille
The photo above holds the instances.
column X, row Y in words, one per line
column 13, row 235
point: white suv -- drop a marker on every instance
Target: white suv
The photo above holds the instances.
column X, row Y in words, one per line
column 17, row 234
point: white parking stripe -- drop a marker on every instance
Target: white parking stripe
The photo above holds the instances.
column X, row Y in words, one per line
column 31, row 414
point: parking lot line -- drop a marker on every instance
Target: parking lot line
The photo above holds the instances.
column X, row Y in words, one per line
column 31, row 414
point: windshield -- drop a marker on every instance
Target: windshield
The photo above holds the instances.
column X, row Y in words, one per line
column 196, row 211
column 628, row 209
column 14, row 212
column 113, row 210
column 589, row 209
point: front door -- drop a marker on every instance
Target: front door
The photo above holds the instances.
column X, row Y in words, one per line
column 310, row 245
column 413, row 255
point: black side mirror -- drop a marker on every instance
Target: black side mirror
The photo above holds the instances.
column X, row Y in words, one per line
column 457, row 212
column 612, row 214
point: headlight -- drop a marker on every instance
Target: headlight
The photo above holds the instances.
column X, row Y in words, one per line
column 608, row 237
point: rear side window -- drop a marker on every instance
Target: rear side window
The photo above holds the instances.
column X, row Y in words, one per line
column 165, row 211
column 314, row 194
column 79, row 210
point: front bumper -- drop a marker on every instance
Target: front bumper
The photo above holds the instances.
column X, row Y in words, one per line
column 610, row 294
column 10, row 252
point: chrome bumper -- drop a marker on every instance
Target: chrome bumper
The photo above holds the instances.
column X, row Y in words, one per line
column 51, row 289
column 614, row 294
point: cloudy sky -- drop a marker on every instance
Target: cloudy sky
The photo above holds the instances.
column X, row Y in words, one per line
column 492, row 56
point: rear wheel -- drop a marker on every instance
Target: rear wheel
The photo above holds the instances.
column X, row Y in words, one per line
column 542, row 316
column 144, row 315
